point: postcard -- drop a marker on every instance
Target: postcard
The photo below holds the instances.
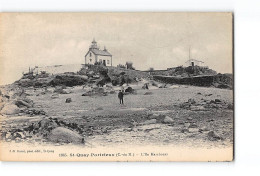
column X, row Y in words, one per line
column 128, row 86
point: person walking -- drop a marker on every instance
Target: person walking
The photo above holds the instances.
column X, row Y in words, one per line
column 121, row 97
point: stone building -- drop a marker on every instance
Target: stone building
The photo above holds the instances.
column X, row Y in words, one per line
column 98, row 56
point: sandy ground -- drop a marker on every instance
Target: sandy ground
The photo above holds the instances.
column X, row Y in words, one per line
column 107, row 123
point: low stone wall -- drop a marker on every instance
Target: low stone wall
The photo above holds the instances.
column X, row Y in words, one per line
column 219, row 81
column 196, row 81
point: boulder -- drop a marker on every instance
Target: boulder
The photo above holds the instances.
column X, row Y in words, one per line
column 147, row 122
column 145, row 86
column 21, row 103
column 129, row 89
column 101, row 82
column 185, row 105
column 162, row 85
column 69, row 80
column 10, row 109
column 46, row 123
column 153, row 116
column 19, row 135
column 168, row 119
column 61, row 134
column 211, row 102
column 148, row 93
column 87, row 94
column 191, row 101
column 61, row 91
column 91, row 73
column 54, row 96
column 114, row 82
column 68, row 100
column 153, row 83
column 223, row 86
column 193, row 125
column 27, row 100
column 212, row 136
column 112, row 92
column 158, row 117
column 217, row 101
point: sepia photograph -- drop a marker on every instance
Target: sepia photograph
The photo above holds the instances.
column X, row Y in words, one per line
column 116, row 86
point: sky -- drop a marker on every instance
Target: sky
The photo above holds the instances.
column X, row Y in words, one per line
column 158, row 40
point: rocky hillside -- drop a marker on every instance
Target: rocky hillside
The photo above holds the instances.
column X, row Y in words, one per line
column 185, row 71
column 224, row 81
column 99, row 76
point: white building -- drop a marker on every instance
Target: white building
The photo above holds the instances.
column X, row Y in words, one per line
column 194, row 62
column 95, row 55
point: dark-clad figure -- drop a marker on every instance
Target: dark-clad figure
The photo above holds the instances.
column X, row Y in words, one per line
column 121, row 96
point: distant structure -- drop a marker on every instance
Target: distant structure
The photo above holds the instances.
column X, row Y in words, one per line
column 194, row 62
column 97, row 56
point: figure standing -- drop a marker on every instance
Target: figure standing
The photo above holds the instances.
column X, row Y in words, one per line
column 121, row 97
